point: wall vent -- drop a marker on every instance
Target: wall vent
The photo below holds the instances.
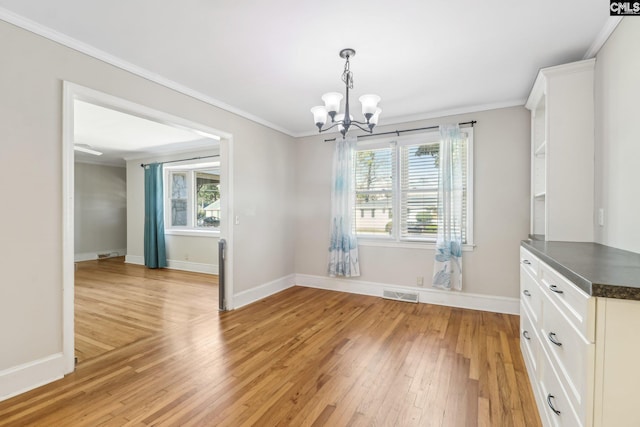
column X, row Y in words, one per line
column 400, row 296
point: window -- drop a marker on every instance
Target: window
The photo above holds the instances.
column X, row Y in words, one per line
column 192, row 198
column 400, row 177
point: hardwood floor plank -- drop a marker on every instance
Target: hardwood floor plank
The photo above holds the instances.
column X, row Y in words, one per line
column 161, row 354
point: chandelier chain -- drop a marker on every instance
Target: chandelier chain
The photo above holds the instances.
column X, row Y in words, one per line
column 347, row 75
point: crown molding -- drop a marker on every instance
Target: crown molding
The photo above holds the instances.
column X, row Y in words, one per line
column 70, row 42
column 602, row 37
column 397, row 120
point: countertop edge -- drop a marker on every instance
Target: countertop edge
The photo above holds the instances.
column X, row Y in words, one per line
column 582, row 283
column 591, row 288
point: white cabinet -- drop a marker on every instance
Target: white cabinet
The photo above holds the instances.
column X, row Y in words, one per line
column 581, row 352
column 562, row 152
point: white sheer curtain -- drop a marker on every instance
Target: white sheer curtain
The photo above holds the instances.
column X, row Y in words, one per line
column 447, row 269
column 343, row 250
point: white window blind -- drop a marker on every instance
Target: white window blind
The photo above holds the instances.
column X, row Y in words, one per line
column 397, row 188
column 374, row 171
column 419, row 190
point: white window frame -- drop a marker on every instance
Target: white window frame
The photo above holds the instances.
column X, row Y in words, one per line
column 190, row 229
column 395, row 239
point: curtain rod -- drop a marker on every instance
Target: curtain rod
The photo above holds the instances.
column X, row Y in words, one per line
column 173, row 161
column 398, row 132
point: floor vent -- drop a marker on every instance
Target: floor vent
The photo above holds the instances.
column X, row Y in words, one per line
column 400, row 296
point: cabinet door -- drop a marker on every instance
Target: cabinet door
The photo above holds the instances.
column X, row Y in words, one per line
column 617, row 395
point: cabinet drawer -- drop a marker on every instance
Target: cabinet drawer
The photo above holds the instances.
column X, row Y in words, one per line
column 571, row 355
column 529, row 261
column 529, row 342
column 575, row 304
column 530, row 294
column 555, row 403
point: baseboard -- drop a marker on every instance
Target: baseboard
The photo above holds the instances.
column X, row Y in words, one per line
column 496, row 304
column 88, row 256
column 262, row 291
column 134, row 259
column 195, row 267
column 25, row 377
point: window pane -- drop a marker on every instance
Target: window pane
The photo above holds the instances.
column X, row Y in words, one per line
column 179, row 212
column 178, row 185
column 419, row 190
column 179, row 199
column 207, row 199
column 374, row 184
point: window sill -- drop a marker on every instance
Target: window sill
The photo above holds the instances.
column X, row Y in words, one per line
column 192, row 233
column 386, row 243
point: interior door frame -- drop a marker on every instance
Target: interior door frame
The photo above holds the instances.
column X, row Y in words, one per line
column 72, row 92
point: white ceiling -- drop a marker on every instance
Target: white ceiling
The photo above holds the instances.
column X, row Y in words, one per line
column 272, row 60
column 122, row 136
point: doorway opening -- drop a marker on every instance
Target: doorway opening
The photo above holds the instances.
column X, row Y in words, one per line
column 161, row 138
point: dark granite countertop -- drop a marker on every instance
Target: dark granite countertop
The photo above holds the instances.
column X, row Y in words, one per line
column 600, row 271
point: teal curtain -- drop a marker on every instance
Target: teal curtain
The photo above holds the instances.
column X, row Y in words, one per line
column 447, row 269
column 343, row 249
column 155, row 255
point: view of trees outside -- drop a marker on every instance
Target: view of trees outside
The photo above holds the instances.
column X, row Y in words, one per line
column 207, row 193
column 374, row 185
column 179, row 199
column 374, row 190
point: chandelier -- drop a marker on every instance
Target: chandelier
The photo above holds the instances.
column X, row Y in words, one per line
column 332, row 100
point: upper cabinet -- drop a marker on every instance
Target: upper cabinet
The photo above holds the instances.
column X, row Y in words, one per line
column 562, row 152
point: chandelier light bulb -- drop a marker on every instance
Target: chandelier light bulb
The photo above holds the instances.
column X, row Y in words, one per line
column 319, row 116
column 369, row 105
column 332, row 102
column 373, row 120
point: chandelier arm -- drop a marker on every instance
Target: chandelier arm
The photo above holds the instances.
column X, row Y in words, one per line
column 357, row 124
column 338, row 123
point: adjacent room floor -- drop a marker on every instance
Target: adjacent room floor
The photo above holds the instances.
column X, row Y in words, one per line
column 301, row 357
column 117, row 304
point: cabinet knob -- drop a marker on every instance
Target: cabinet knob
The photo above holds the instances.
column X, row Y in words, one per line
column 555, row 289
column 552, row 338
column 549, row 398
column 527, row 262
column 526, row 334
column 526, row 292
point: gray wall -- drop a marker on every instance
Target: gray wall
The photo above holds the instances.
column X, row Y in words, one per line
column 501, row 211
column 617, row 167
column 100, row 212
column 33, row 69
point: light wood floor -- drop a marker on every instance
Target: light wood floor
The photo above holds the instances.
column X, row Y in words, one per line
column 117, row 304
column 303, row 357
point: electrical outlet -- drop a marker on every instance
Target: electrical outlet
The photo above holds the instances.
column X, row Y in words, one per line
column 420, row 281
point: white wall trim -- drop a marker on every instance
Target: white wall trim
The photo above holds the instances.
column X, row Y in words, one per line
column 89, row 256
column 400, row 120
column 134, row 259
column 25, row 377
column 195, row 267
column 92, row 51
column 602, row 37
column 496, row 304
column 262, row 291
